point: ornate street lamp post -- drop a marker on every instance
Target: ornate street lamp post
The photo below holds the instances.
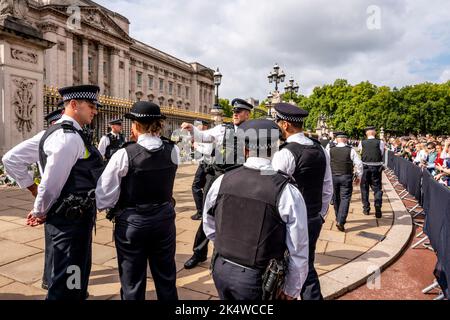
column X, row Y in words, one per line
column 276, row 76
column 216, row 110
column 291, row 87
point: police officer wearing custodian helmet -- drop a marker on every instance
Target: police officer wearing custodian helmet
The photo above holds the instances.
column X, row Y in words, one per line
column 138, row 184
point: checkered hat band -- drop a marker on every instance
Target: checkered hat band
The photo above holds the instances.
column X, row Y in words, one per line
column 141, row 115
column 241, row 106
column 80, row 95
column 289, row 118
column 55, row 117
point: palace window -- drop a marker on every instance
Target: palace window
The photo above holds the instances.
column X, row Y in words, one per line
column 139, row 78
column 179, row 90
column 170, row 88
column 150, row 82
column 161, row 85
column 187, row 92
column 90, row 64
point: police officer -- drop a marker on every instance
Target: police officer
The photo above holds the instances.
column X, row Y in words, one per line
column 112, row 141
column 138, row 184
column 16, row 163
column 254, row 214
column 372, row 150
column 225, row 156
column 324, row 141
column 71, row 168
column 343, row 157
column 202, row 150
column 306, row 160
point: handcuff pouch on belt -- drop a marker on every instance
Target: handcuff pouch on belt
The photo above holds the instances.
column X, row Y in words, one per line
column 273, row 277
column 75, row 206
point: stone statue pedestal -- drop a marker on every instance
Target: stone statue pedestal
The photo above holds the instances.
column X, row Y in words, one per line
column 21, row 81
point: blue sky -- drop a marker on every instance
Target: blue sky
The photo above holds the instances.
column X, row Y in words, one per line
column 316, row 42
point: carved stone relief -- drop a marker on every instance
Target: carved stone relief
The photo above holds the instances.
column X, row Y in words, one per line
column 24, row 102
column 26, row 56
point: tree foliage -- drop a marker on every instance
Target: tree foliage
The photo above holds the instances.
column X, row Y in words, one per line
column 421, row 108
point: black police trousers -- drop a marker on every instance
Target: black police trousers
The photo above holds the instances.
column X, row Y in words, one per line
column 311, row 287
column 237, row 283
column 197, row 187
column 143, row 238
column 200, row 247
column 342, row 195
column 47, row 274
column 70, row 258
column 371, row 177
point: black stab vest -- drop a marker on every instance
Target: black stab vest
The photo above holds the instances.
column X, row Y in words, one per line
column 150, row 177
column 309, row 174
column 115, row 143
column 371, row 151
column 227, row 155
column 249, row 229
column 85, row 173
column 341, row 161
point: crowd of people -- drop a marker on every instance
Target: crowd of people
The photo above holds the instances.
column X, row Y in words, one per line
column 429, row 152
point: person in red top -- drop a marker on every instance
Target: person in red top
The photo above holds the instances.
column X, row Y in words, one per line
column 439, row 160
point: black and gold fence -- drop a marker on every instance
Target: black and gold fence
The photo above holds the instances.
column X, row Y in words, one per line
column 116, row 107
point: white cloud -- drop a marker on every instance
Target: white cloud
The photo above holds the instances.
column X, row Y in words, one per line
column 314, row 41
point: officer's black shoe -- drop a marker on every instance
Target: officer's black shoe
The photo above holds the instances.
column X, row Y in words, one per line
column 44, row 285
column 378, row 213
column 340, row 227
column 366, row 212
column 196, row 216
column 193, row 261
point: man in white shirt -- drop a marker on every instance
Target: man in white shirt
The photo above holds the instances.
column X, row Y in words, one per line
column 343, row 157
column 307, row 162
column 113, row 141
column 253, row 214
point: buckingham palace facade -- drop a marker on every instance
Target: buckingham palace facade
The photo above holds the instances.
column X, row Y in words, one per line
column 93, row 45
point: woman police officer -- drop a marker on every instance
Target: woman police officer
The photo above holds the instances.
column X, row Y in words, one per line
column 138, row 183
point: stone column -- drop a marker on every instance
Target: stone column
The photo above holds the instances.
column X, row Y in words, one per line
column 195, row 98
column 100, row 72
column 114, row 79
column 126, row 84
column 49, row 31
column 69, row 59
column 21, row 81
column 85, row 65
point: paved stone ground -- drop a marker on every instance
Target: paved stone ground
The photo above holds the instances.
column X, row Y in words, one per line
column 406, row 278
column 22, row 247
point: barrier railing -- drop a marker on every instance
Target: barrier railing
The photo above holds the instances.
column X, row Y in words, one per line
column 435, row 201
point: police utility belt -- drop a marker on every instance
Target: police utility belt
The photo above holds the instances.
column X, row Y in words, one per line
column 273, row 276
column 76, row 206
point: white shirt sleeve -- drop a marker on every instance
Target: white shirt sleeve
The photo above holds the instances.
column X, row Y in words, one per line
column 17, row 160
column 357, row 163
column 107, row 192
column 327, row 189
column 382, row 147
column 292, row 210
column 209, row 222
column 360, row 146
column 62, row 150
column 210, row 135
column 102, row 145
column 284, row 160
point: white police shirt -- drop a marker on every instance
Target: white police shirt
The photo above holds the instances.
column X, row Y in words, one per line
column 215, row 134
column 353, row 156
column 17, row 160
column 107, row 192
column 284, row 160
column 63, row 149
column 292, row 211
column 104, row 143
